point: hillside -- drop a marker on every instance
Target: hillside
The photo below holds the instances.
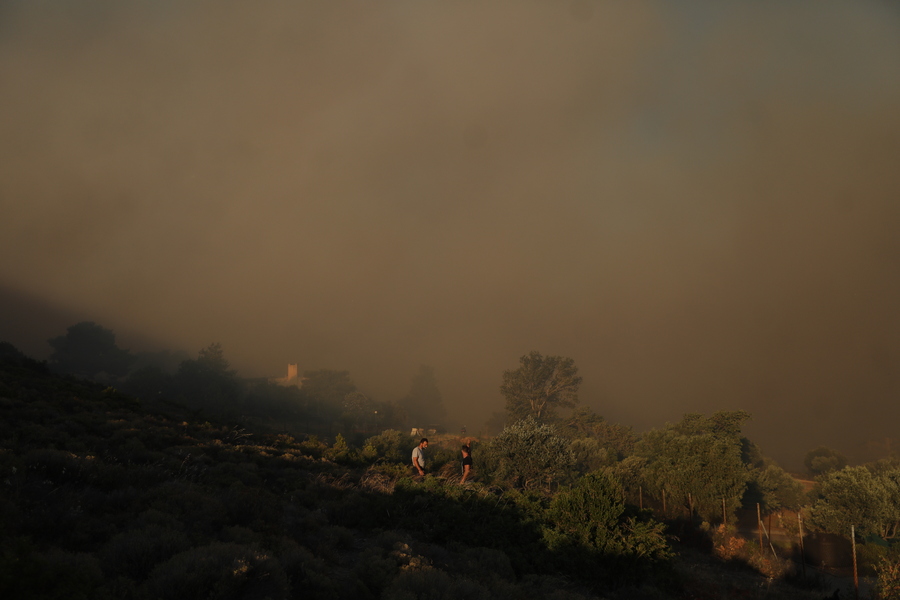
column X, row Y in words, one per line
column 104, row 497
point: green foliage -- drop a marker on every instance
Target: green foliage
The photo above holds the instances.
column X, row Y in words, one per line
column 590, row 454
column 697, row 463
column 823, row 460
column 342, row 453
column 590, row 510
column 528, row 455
column 887, row 586
column 774, row 489
column 860, row 497
column 591, row 513
column 390, row 445
column 540, row 386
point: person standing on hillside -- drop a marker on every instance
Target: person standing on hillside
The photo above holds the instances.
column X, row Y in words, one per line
column 466, row 463
column 418, row 456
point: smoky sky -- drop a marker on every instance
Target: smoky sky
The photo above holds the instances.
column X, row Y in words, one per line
column 697, row 201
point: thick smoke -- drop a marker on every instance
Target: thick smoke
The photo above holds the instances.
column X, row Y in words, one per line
column 697, row 202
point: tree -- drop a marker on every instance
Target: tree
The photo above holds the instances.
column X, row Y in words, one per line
column 528, row 455
column 325, row 390
column 539, row 386
column 424, row 403
column 859, row 496
column 209, row 381
column 327, row 385
column 617, row 440
column 824, row 460
column 359, row 412
column 89, row 350
column 698, row 462
column 774, row 489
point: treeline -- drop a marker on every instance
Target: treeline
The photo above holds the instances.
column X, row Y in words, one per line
column 327, row 403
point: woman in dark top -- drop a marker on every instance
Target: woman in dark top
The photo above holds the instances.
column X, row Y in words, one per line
column 466, row 463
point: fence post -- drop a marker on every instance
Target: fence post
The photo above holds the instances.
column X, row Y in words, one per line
column 855, row 574
column 800, row 532
column 759, row 526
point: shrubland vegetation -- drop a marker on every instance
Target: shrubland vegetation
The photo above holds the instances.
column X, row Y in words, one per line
column 197, row 484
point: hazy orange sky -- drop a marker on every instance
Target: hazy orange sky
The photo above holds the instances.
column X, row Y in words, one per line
column 697, row 201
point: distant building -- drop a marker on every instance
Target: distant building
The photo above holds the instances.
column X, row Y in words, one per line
column 292, row 379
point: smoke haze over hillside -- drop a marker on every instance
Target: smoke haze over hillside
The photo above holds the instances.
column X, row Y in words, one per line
column 698, row 202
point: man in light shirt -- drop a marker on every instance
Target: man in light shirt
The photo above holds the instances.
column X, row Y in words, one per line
column 418, row 456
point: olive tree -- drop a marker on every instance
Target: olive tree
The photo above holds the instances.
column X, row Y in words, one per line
column 864, row 496
column 697, row 462
column 539, row 386
column 527, row 455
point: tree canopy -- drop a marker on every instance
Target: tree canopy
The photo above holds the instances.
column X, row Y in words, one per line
column 208, row 381
column 823, row 460
column 540, row 386
column 89, row 350
column 860, row 496
column 698, row 461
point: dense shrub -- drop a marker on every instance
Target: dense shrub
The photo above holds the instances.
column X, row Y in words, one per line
column 888, row 585
column 390, row 446
column 433, row 584
column 136, row 552
column 527, row 455
column 219, row 571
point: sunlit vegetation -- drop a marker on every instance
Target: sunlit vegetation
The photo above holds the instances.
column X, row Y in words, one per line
column 198, row 484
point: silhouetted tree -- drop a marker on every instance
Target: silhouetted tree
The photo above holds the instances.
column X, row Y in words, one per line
column 539, row 386
column 359, row 412
column 89, row 350
column 328, row 385
column 149, row 383
column 424, row 404
column 325, row 390
column 823, row 460
column 209, row 381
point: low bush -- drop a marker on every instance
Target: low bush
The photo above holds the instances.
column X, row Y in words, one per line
column 219, row 571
